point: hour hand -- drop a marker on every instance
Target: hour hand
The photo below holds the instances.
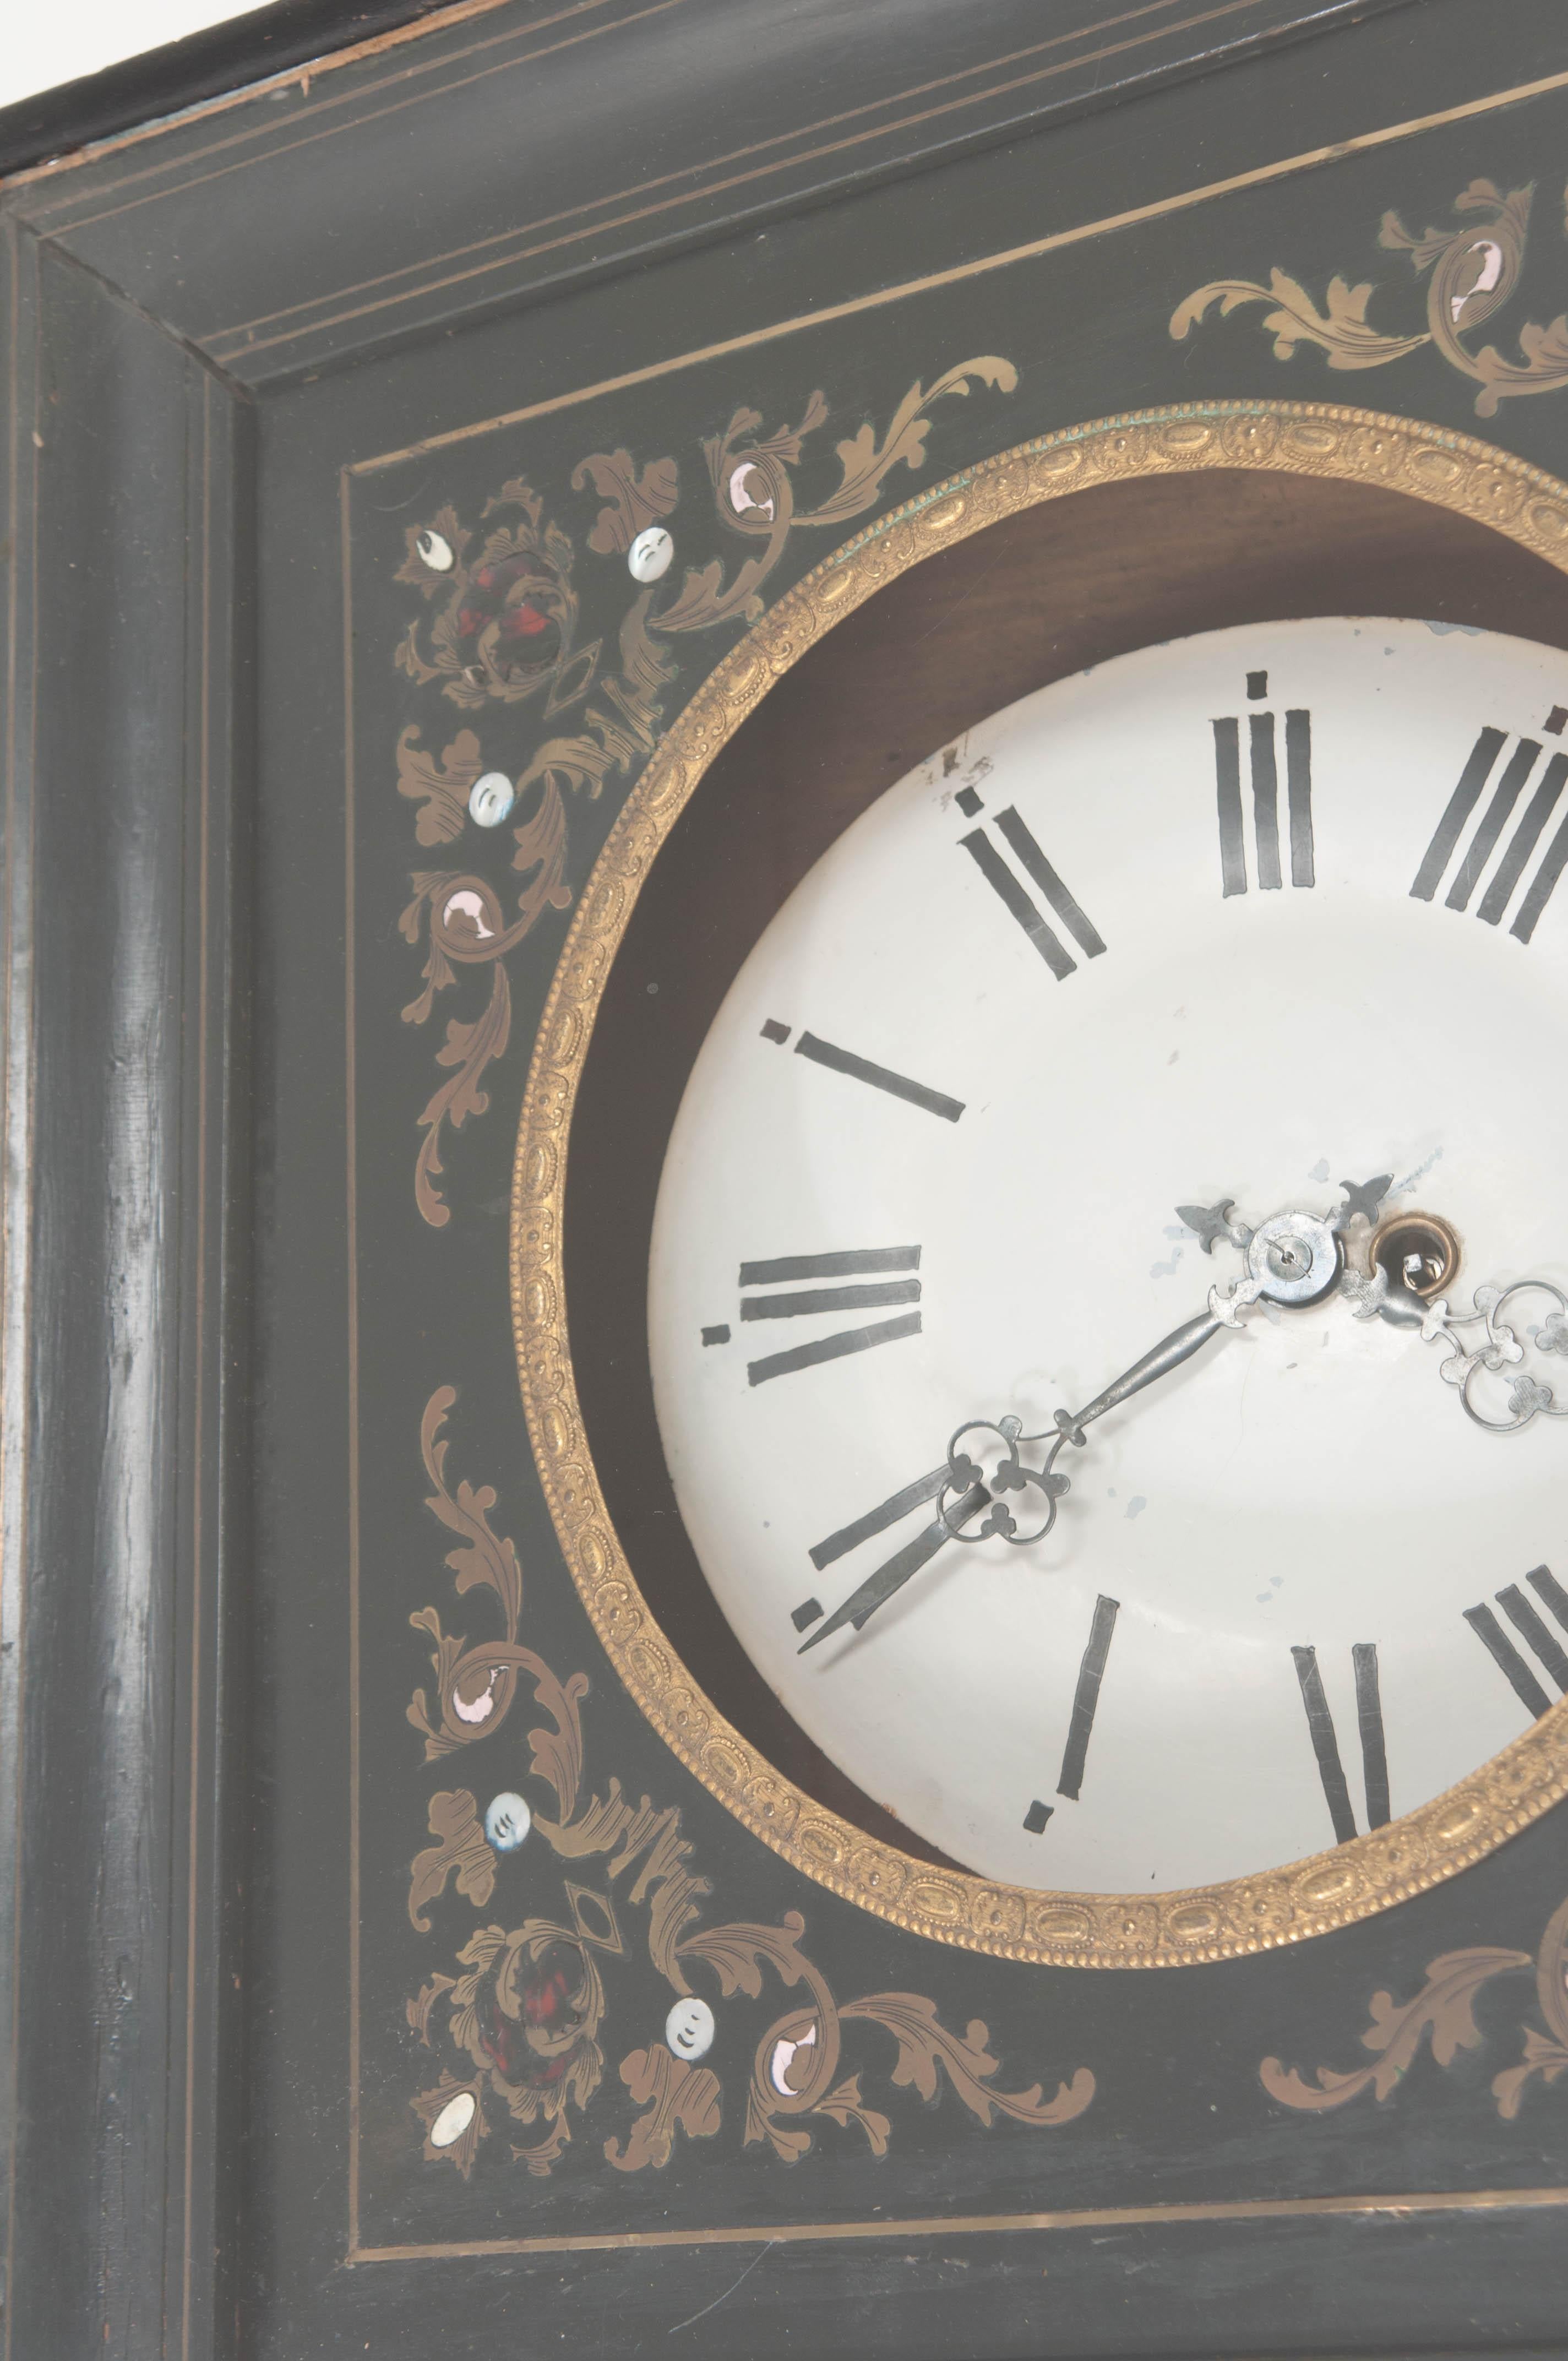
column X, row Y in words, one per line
column 879, row 1587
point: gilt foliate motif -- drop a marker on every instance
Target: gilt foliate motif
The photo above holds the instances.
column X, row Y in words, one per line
column 1471, row 272
column 1442, row 2013
column 524, row 2020
column 499, row 633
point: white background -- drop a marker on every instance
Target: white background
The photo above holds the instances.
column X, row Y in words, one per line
column 46, row 46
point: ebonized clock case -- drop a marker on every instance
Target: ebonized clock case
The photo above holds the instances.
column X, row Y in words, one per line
column 1046, row 332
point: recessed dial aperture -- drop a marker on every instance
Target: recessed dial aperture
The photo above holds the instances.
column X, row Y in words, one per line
column 1167, row 936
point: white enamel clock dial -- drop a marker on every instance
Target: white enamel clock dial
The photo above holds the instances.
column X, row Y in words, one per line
column 1248, row 916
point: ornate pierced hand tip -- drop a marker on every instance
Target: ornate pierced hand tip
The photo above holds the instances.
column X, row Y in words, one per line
column 1365, row 1296
column 1228, row 1303
column 970, row 1488
column 1477, row 1363
column 1211, row 1222
column 1365, row 1197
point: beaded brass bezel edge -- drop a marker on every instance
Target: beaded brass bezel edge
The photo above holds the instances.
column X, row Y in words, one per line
column 1097, row 1931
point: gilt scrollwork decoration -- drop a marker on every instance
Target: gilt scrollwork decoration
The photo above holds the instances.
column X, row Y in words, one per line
column 1442, row 2013
column 1471, row 272
column 477, row 1683
column 523, row 2020
column 465, row 926
column 500, row 629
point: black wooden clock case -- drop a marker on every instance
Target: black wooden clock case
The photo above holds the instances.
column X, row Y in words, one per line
column 510, row 293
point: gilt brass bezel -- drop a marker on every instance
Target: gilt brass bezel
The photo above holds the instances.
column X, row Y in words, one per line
column 1241, row 1916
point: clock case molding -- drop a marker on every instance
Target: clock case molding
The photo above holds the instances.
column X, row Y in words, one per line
column 232, row 385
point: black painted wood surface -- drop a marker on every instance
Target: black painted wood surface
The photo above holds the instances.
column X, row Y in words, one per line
column 220, row 58
column 184, row 477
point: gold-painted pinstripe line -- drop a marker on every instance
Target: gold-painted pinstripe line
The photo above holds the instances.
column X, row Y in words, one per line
column 375, row 114
column 242, row 330
column 1099, row 2217
column 1206, row 192
column 19, row 1252
column 351, row 1172
column 400, row 37
column 199, row 1356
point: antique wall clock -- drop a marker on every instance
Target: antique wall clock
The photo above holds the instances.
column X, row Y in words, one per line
column 786, row 1371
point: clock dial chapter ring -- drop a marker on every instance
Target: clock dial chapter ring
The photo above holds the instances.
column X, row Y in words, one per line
column 1306, row 1896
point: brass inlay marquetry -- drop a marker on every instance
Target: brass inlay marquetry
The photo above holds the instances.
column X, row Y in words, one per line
column 523, row 2018
column 500, row 630
column 1471, row 272
column 1244, row 1915
column 1443, row 2010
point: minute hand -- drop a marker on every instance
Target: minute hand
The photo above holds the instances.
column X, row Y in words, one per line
column 880, row 1586
column 1306, row 1264
column 1167, row 1355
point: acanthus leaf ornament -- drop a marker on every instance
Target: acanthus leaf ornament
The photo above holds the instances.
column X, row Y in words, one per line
column 506, row 628
column 438, row 784
column 504, row 632
column 1472, row 271
column 465, row 926
column 476, row 1684
column 678, row 2097
column 529, row 2007
column 461, row 1851
column 1443, row 2012
column 633, row 499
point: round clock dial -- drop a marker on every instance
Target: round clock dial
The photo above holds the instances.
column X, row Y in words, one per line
column 1014, row 1087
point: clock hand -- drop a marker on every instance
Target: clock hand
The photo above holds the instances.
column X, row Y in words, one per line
column 1225, row 1312
column 1391, row 1291
column 1471, row 1359
column 880, row 1586
column 1295, row 1259
column 976, row 1494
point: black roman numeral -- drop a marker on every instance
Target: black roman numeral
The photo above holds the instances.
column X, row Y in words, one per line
column 1263, row 767
column 1325, row 1742
column 1476, row 847
column 1015, row 898
column 1515, row 1669
column 861, row 1070
column 877, row 1520
column 784, row 1297
column 1086, row 1696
